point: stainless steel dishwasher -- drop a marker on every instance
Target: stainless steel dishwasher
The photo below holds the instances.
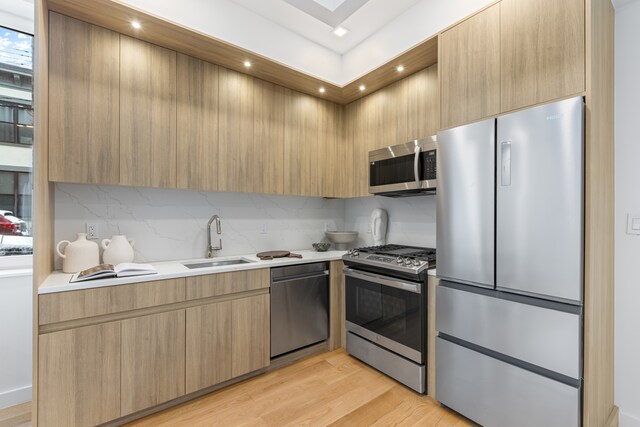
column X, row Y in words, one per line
column 299, row 306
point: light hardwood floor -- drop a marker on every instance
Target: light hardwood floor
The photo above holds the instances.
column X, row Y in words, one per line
column 327, row 389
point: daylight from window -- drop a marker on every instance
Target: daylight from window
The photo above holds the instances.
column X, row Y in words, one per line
column 16, row 142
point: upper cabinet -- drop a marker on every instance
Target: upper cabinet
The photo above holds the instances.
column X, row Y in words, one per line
column 84, row 79
column 303, row 158
column 197, row 124
column 543, row 51
column 407, row 110
column 147, row 114
column 251, row 134
column 470, row 69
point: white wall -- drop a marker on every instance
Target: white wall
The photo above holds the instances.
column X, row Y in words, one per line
column 171, row 224
column 412, row 220
column 627, row 247
column 15, row 335
column 17, row 14
column 230, row 22
column 412, row 27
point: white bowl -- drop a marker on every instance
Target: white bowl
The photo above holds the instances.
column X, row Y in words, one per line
column 341, row 237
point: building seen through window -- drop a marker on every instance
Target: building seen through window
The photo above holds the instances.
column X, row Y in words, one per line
column 16, row 142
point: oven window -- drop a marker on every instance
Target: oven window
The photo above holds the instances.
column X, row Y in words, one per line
column 393, row 313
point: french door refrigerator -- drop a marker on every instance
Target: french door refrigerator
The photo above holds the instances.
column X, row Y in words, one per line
column 510, row 258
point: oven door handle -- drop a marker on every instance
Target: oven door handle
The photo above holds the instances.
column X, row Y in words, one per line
column 416, row 288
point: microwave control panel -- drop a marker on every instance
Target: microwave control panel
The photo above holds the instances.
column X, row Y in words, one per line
column 428, row 160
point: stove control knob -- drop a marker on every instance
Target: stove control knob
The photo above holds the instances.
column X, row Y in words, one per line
column 356, row 252
column 399, row 260
column 350, row 252
column 416, row 262
column 407, row 261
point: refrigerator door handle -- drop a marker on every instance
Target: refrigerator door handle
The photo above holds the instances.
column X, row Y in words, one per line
column 506, row 163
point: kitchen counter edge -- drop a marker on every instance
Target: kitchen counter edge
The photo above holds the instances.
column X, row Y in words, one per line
column 59, row 281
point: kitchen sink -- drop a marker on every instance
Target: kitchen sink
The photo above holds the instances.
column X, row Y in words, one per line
column 221, row 263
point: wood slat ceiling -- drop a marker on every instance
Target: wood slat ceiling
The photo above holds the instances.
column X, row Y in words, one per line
column 117, row 16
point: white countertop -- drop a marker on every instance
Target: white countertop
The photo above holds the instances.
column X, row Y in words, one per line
column 59, row 282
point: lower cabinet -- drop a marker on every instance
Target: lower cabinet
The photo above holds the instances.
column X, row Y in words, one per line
column 153, row 360
column 93, row 374
column 226, row 340
column 79, row 376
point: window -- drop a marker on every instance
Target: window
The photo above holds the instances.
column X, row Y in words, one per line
column 16, row 141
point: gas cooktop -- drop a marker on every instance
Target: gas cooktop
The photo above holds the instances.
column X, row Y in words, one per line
column 400, row 258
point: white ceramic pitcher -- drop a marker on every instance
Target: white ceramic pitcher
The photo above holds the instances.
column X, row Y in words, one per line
column 79, row 254
column 118, row 249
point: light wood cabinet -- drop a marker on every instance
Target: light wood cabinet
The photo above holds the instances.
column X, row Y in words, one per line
column 74, row 305
column 250, row 346
column 268, row 138
column 79, row 376
column 84, row 80
column 542, row 51
column 153, row 360
column 197, row 124
column 226, row 340
column 251, row 134
column 469, row 63
column 213, row 285
column 147, row 114
column 303, row 164
column 209, row 339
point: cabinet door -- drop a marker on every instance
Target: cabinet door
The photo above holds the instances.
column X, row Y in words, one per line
column 147, row 114
column 197, row 124
column 337, row 177
column 153, row 360
column 83, row 102
column 303, row 155
column 209, row 342
column 470, row 69
column 250, row 332
column 251, row 134
column 542, row 51
column 79, row 376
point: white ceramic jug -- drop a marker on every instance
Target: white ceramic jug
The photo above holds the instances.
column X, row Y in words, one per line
column 379, row 220
column 118, row 249
column 79, row 254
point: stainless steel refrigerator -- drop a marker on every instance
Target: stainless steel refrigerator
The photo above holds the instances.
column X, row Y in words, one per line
column 510, row 257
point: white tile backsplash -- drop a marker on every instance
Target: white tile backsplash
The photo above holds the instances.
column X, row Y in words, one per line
column 412, row 220
column 171, row 224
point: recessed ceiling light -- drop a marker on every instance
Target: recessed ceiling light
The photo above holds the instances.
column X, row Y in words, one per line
column 400, row 68
column 340, row 31
column 362, row 88
column 247, row 64
column 322, row 90
column 136, row 25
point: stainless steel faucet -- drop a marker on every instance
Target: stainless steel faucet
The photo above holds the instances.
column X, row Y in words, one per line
column 211, row 248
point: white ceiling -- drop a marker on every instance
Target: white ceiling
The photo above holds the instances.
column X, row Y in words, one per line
column 364, row 22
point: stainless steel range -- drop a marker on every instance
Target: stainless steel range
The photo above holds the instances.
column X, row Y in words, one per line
column 386, row 309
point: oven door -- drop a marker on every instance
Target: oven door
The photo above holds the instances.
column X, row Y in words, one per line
column 387, row 311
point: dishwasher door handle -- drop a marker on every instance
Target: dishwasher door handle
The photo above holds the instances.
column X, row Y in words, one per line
column 300, row 277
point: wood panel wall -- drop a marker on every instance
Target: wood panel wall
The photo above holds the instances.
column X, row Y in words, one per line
column 599, row 217
column 43, row 203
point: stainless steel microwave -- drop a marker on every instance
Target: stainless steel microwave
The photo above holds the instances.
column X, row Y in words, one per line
column 404, row 170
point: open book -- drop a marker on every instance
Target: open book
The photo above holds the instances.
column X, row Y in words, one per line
column 102, row 271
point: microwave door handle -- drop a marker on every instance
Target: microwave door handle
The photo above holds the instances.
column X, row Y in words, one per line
column 416, row 167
